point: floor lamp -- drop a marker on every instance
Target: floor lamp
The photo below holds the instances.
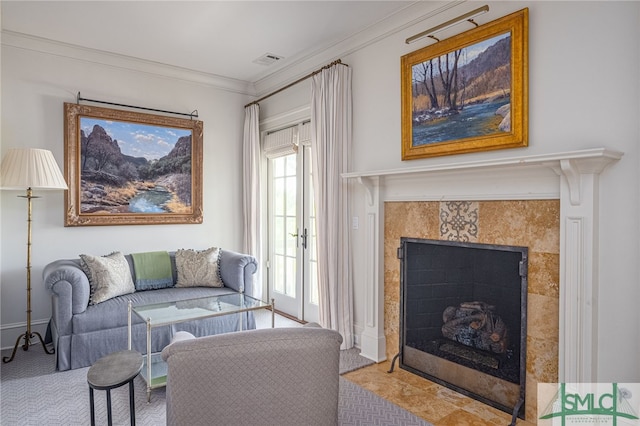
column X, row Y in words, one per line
column 27, row 168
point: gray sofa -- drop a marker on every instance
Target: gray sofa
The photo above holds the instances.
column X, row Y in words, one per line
column 272, row 376
column 83, row 333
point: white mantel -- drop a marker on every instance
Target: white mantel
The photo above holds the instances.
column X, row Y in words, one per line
column 572, row 177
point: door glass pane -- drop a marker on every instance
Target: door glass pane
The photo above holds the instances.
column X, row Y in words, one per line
column 279, row 235
column 278, row 185
column 313, row 263
column 313, row 259
column 291, row 277
column 284, row 223
column 292, row 237
column 291, row 164
column 278, row 166
column 291, row 207
column 278, row 273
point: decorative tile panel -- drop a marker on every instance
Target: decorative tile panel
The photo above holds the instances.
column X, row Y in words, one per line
column 459, row 221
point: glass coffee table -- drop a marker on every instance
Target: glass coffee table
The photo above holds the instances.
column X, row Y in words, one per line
column 154, row 369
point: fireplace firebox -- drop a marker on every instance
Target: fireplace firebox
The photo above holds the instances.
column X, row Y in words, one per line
column 463, row 318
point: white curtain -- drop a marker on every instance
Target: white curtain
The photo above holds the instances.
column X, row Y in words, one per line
column 251, row 190
column 331, row 148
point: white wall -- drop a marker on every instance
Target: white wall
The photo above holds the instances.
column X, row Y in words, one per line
column 584, row 63
column 34, row 87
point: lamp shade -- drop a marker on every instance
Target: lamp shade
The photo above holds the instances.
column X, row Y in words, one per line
column 24, row 168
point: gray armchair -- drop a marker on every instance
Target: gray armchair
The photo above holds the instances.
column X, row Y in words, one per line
column 279, row 376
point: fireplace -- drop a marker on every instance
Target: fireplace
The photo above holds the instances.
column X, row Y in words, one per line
column 547, row 202
column 463, row 318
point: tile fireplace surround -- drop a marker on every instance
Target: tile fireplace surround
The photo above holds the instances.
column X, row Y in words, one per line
column 527, row 223
column 550, row 200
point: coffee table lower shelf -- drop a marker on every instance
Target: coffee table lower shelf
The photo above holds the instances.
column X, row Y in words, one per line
column 158, row 373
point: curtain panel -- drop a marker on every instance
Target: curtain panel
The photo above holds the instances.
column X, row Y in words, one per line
column 251, row 189
column 331, row 116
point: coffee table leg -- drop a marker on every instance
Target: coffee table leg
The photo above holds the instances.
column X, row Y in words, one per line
column 132, row 407
column 109, row 419
column 93, row 412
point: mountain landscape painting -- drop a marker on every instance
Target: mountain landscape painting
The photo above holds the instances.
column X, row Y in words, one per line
column 130, row 168
column 468, row 92
column 127, row 167
column 464, row 93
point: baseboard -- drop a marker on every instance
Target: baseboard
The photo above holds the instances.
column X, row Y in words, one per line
column 9, row 333
column 373, row 347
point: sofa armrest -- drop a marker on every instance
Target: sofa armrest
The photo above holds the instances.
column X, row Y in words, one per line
column 237, row 271
column 69, row 285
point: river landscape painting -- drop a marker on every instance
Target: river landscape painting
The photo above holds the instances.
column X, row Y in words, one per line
column 130, row 168
column 467, row 93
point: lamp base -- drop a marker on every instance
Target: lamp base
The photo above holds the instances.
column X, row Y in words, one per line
column 27, row 336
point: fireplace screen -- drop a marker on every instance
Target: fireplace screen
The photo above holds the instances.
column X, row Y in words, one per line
column 463, row 318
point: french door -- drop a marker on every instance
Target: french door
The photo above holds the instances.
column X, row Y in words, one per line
column 292, row 270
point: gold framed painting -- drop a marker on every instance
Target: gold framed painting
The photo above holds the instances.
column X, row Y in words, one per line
column 468, row 93
column 131, row 168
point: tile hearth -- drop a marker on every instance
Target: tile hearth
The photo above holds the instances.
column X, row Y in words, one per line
column 429, row 401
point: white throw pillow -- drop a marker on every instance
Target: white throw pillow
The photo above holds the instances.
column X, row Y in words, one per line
column 109, row 276
column 198, row 268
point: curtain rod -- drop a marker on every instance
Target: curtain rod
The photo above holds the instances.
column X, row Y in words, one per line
column 190, row 115
column 336, row 62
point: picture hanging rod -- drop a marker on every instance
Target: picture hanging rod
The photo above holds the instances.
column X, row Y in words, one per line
column 445, row 25
column 336, row 62
column 192, row 115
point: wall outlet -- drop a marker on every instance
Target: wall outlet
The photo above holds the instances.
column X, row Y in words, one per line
column 355, row 222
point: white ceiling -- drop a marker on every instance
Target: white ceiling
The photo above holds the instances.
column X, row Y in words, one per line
column 221, row 38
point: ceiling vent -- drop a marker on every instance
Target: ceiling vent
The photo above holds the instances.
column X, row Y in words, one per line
column 267, row 59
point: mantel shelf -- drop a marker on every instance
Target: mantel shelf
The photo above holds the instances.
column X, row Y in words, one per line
column 587, row 161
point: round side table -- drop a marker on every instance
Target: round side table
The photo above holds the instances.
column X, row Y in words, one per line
column 113, row 371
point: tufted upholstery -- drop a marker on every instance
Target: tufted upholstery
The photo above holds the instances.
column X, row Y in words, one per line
column 280, row 376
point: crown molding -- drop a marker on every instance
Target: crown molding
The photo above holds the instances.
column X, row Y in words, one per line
column 49, row 47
